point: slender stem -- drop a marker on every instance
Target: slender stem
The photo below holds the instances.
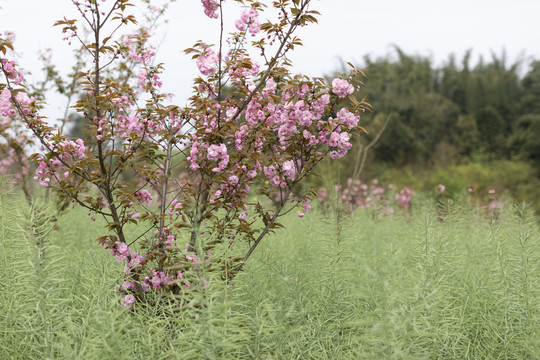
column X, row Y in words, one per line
column 239, row 267
column 201, row 206
column 163, row 205
column 220, row 73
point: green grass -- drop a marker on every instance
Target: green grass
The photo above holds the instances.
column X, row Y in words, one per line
column 330, row 286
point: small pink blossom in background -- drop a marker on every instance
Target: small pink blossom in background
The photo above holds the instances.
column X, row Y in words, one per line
column 359, row 195
column 156, row 282
column 301, row 215
column 342, row 87
column 404, row 198
column 495, row 205
column 442, row 188
column 144, row 197
column 128, row 301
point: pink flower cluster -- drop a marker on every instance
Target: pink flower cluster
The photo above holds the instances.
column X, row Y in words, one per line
column 298, row 118
column 342, row 87
column 143, row 56
column 207, row 62
column 57, row 168
column 495, row 206
column 241, row 68
column 370, row 196
column 278, row 175
column 404, row 198
column 6, row 105
column 490, row 201
column 9, row 68
column 210, row 8
column 339, row 139
column 218, row 153
column 249, row 19
column 144, row 197
column 175, row 208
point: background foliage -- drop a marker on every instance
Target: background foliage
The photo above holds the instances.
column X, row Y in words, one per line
column 457, row 123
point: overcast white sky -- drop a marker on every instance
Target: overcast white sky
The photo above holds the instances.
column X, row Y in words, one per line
column 348, row 29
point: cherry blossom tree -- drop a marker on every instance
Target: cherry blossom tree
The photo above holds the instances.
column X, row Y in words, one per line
column 181, row 176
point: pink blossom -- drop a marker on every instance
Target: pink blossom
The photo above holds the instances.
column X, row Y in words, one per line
column 216, row 152
column 271, row 86
column 144, row 197
column 210, row 8
column 230, row 112
column 121, row 247
column 128, row 301
column 156, row 282
column 249, row 18
column 348, row 118
column 142, row 77
column 169, row 241
column 207, row 62
column 270, row 171
column 288, row 169
column 341, row 87
column 233, row 180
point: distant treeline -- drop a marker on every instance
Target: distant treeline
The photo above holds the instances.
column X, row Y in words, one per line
column 444, row 115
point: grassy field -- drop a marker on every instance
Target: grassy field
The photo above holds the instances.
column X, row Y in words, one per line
column 330, row 286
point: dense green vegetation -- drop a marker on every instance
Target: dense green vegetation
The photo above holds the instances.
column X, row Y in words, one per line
column 331, row 286
column 453, row 115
